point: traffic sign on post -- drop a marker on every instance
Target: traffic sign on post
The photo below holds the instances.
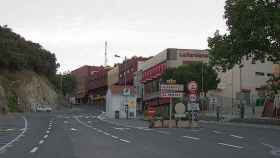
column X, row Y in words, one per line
column 192, row 97
column 192, row 87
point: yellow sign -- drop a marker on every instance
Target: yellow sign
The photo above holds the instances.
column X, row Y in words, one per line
column 131, row 104
column 171, row 81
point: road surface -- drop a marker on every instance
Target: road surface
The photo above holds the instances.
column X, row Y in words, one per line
column 79, row 133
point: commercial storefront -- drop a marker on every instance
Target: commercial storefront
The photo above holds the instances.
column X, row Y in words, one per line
column 154, row 68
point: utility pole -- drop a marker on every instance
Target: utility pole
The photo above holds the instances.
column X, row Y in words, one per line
column 202, row 79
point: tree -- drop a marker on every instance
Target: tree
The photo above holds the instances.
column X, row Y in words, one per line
column 253, row 33
column 18, row 54
column 66, row 83
column 193, row 72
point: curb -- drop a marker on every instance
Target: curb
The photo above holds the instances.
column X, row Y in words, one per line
column 242, row 124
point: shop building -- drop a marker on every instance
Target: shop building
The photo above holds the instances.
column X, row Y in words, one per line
column 130, row 66
column 83, row 75
column 153, row 69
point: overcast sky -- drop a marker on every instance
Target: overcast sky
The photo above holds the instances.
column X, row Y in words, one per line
column 75, row 30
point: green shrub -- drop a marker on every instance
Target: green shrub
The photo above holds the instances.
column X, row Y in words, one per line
column 12, row 104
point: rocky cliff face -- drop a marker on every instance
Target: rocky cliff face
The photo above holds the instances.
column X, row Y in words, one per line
column 24, row 89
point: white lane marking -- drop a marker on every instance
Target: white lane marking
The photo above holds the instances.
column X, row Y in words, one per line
column 164, row 132
column 107, row 134
column 46, row 136
column 89, row 121
column 123, row 140
column 120, row 128
column 47, row 131
column 16, row 139
column 114, row 137
column 194, row 138
column 268, row 145
column 73, row 129
column 229, row 145
column 41, row 142
column 34, row 150
column 100, row 131
column 236, row 136
column 147, row 129
column 49, row 128
column 217, row 132
column 65, row 121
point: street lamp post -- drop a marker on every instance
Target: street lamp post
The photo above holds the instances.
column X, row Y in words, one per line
column 125, row 78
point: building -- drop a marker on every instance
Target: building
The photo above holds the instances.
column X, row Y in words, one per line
column 153, row 69
column 116, row 102
column 98, row 85
column 129, row 66
column 113, row 76
column 83, row 75
column 249, row 79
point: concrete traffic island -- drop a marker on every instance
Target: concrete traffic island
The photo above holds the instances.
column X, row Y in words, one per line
column 173, row 124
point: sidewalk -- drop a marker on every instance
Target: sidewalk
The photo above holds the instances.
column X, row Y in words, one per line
column 236, row 120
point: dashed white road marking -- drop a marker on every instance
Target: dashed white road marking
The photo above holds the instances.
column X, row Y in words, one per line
column 123, row 140
column 46, row 136
column 164, row 132
column 34, row 150
column 217, row 132
column 47, row 131
column 114, row 137
column 99, row 130
column 41, row 142
column 49, row 128
column 3, row 148
column 194, row 138
column 107, row 134
column 65, row 121
column 233, row 146
column 73, row 129
column 236, row 136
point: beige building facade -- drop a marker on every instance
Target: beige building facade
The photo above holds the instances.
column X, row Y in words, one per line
column 113, row 76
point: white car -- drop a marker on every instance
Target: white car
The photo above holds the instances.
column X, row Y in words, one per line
column 43, row 108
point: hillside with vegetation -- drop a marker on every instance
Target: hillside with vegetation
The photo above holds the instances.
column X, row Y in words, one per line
column 27, row 73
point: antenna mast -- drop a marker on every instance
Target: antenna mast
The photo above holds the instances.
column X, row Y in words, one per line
column 106, row 59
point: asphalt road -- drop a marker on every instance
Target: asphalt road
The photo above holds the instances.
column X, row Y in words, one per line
column 79, row 133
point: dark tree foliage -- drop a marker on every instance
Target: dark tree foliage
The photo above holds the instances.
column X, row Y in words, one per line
column 17, row 54
column 67, row 83
column 254, row 33
column 193, row 72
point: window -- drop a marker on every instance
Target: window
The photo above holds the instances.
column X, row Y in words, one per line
column 259, row 74
column 269, row 74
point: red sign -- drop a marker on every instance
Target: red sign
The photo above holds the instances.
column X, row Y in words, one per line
column 192, row 87
column 151, row 111
column 153, row 72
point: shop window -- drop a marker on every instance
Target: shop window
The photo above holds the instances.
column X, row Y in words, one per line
column 259, row 74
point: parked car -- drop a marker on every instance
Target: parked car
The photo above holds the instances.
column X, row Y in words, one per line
column 43, row 108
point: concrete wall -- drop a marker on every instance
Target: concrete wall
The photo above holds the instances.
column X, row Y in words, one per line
column 230, row 80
